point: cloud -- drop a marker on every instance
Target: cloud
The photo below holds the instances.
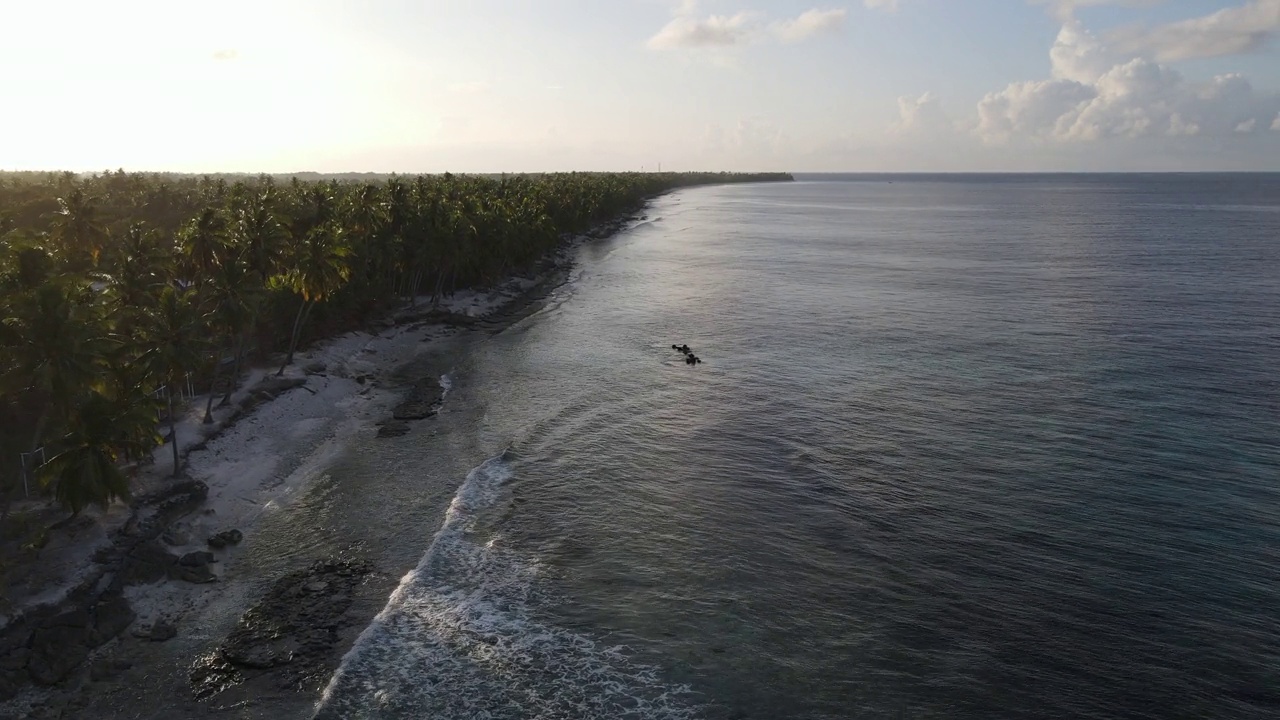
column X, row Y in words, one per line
column 688, row 30
column 1275, row 124
column 1065, row 10
column 1095, row 93
column 1230, row 31
column 886, row 5
column 226, row 55
column 921, row 115
column 810, row 23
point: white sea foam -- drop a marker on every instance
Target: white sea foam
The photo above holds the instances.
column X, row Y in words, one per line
column 458, row 639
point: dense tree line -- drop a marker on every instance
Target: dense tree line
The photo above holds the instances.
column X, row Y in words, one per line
column 116, row 288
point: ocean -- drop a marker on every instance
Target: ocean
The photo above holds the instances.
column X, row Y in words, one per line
column 959, row 447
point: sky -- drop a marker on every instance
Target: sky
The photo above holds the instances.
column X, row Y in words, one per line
column 545, row 85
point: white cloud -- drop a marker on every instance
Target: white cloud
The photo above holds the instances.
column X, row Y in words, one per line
column 1077, row 55
column 1230, row 31
column 229, row 54
column 887, row 5
column 1094, row 93
column 1275, row 124
column 1065, row 10
column 1181, row 128
column 921, row 115
column 810, row 23
column 688, row 30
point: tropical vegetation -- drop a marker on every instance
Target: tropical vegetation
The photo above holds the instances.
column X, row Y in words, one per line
column 118, row 289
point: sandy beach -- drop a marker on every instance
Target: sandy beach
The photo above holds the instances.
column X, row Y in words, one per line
column 255, row 464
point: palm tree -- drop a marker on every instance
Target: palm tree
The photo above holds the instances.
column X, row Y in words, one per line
column 56, row 347
column 318, row 268
column 257, row 241
column 177, row 337
column 139, row 270
column 86, row 469
column 235, row 298
column 260, row 237
column 78, row 229
column 203, row 240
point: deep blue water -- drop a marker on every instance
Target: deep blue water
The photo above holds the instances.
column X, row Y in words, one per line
column 961, row 447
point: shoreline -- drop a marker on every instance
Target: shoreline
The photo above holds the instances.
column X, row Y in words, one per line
column 256, row 461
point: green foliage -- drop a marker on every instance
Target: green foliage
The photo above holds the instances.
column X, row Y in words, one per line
column 117, row 285
column 86, row 471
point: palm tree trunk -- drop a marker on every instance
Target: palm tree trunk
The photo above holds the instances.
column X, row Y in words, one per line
column 293, row 338
column 173, row 433
column 435, row 294
column 213, row 385
column 235, row 369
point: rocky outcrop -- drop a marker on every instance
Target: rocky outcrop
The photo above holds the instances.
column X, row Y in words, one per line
column 393, row 428
column 58, row 645
column 225, row 538
column 46, row 644
column 111, row 617
column 291, row 631
column 422, row 401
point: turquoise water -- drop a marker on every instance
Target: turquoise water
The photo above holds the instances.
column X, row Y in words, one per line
column 961, row 447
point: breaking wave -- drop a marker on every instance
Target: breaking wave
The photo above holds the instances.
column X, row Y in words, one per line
column 458, row 639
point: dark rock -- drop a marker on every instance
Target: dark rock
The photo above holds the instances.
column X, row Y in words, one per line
column 199, row 558
column 147, row 563
column 422, row 401
column 413, row 411
column 106, row 555
column 274, row 386
column 225, row 538
column 199, row 575
column 162, row 630
column 293, row 629
column 393, row 428
column 79, row 619
column 15, row 660
column 55, row 652
column 314, row 368
column 106, row 669
column 111, row 617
